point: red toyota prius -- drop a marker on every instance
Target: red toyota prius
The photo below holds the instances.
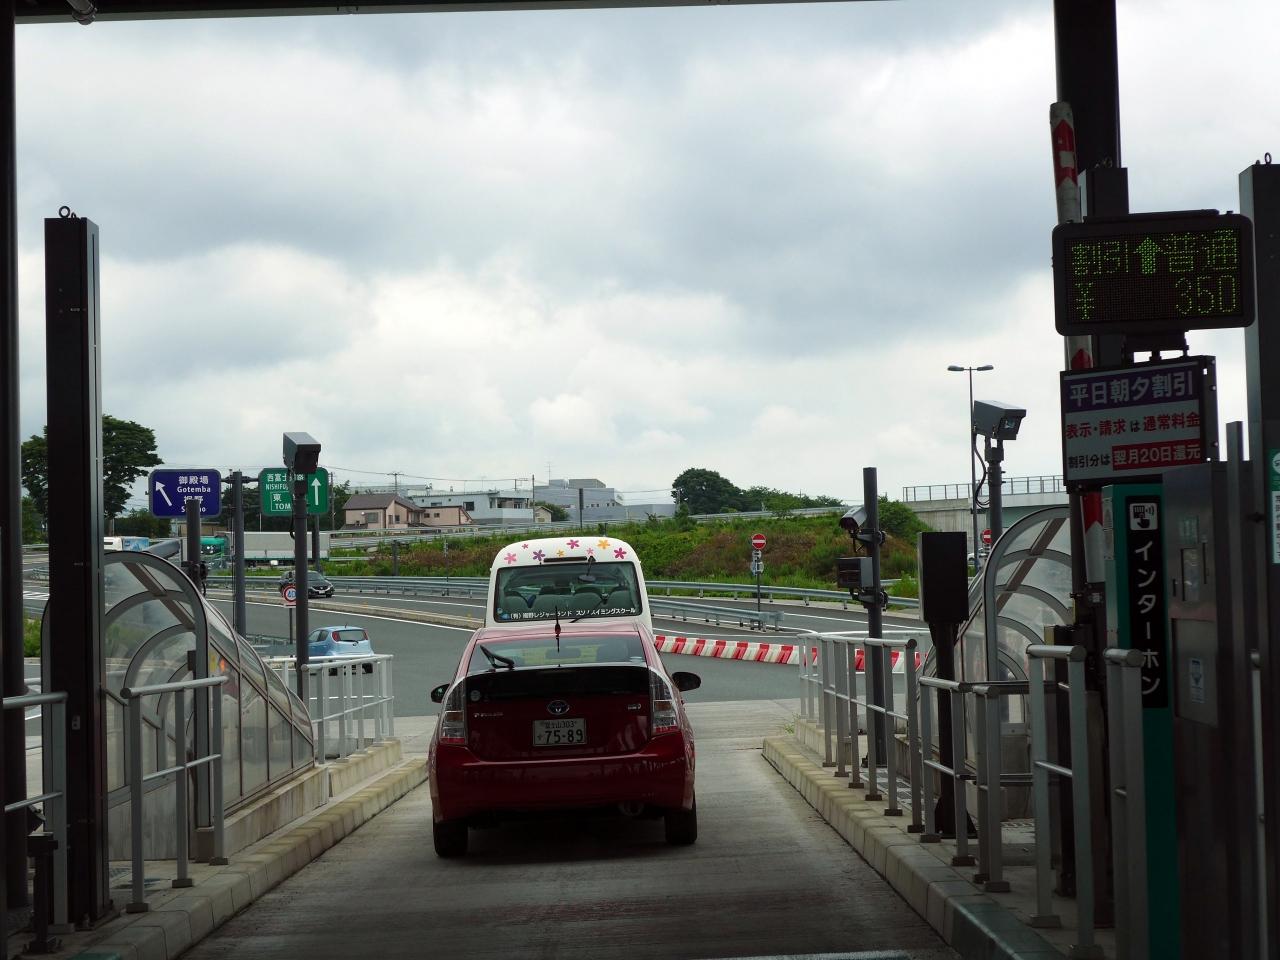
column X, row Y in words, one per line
column 561, row 717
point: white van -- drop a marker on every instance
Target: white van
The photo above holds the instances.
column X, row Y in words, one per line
column 567, row 578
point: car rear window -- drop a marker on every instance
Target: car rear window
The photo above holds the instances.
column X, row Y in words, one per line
column 567, row 590
column 544, row 652
column 349, row 636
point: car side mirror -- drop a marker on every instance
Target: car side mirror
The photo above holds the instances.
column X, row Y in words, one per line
column 437, row 695
column 686, row 681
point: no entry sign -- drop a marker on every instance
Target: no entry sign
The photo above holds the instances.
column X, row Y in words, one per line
column 986, row 537
column 757, row 541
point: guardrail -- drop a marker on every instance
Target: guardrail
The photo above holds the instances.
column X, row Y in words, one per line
column 49, row 904
column 745, row 616
column 479, row 586
column 830, row 698
column 133, row 696
column 342, row 694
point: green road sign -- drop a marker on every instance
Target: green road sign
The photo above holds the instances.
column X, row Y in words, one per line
column 277, row 495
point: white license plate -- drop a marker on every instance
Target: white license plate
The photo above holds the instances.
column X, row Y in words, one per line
column 559, row 733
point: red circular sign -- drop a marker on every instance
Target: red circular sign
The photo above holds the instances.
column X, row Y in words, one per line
column 290, row 595
column 757, row 541
column 986, row 537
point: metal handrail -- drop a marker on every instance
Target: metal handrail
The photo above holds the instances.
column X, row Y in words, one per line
column 213, row 759
column 54, row 790
column 353, row 706
column 1128, row 800
column 957, row 771
column 1078, row 772
column 907, row 656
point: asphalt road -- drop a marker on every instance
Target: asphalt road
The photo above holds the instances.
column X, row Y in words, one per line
column 767, row 877
column 427, row 655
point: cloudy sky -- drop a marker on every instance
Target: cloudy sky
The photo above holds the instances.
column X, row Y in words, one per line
column 621, row 243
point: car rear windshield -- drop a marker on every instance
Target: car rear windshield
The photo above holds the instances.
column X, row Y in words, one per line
column 544, row 652
column 559, row 682
column 570, row 591
column 349, row 636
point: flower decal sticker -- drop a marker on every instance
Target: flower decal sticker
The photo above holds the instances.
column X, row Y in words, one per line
column 510, row 558
column 538, row 555
column 603, row 544
column 573, row 544
column 559, row 553
column 620, row 554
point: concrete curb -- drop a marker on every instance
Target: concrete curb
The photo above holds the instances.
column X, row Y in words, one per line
column 177, row 920
column 973, row 924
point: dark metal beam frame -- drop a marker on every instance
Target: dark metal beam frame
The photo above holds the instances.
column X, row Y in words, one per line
column 59, row 11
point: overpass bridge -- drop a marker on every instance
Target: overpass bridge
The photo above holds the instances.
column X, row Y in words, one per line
column 945, row 506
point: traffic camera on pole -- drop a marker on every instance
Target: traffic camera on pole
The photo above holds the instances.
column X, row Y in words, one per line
column 856, row 573
column 995, row 422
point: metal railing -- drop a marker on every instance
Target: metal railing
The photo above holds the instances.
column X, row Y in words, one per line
column 1128, row 800
column 53, row 795
column 743, row 616
column 343, row 695
column 830, row 698
column 1078, row 774
column 178, row 771
column 1009, row 486
column 479, row 586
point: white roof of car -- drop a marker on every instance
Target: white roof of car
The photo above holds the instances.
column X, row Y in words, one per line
column 531, row 553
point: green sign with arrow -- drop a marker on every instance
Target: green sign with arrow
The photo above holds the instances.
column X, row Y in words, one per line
column 277, row 492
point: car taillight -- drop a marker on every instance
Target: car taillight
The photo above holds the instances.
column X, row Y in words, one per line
column 662, row 707
column 453, row 719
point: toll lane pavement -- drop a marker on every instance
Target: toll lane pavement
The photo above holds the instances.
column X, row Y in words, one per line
column 766, row 877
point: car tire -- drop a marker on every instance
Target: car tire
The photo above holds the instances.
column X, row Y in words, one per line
column 449, row 837
column 682, row 826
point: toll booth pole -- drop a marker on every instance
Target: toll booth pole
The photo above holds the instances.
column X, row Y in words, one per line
column 13, row 876
column 75, row 550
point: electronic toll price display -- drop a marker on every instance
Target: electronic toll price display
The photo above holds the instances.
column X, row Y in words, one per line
column 1153, row 273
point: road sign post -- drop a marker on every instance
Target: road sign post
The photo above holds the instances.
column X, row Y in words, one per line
column 986, row 537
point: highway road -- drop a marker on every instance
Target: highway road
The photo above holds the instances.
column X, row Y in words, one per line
column 427, row 654
column 767, row 878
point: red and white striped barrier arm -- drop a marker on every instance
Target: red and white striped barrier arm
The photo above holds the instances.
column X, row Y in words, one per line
column 730, row 649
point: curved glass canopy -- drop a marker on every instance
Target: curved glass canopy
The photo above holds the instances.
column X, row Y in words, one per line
column 156, row 627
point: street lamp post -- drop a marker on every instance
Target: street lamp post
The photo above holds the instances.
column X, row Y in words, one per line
column 973, row 473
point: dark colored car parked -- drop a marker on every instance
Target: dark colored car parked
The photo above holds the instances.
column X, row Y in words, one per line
column 317, row 585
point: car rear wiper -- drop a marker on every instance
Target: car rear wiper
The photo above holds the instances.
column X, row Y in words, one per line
column 496, row 659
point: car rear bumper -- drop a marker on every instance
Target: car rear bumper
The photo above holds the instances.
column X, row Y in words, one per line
column 463, row 786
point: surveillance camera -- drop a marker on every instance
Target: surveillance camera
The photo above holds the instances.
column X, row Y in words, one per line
column 854, row 520
column 301, row 452
column 998, row 421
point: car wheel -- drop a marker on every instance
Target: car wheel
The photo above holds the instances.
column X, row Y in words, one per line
column 450, row 838
column 682, row 826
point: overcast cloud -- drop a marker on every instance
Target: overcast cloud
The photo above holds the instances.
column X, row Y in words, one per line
column 621, row 242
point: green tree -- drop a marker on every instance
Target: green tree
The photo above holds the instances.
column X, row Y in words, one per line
column 558, row 512
column 900, row 520
column 128, row 449
column 140, row 523
column 32, row 523
column 706, row 491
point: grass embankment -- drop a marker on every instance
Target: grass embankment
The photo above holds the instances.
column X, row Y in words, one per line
column 801, row 552
column 30, row 637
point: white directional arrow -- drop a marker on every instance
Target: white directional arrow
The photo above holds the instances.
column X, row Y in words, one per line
column 160, row 490
column 315, row 491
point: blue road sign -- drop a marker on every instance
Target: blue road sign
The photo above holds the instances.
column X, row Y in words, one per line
column 169, row 490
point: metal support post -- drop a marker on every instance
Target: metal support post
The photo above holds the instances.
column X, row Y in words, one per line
column 74, row 406
column 315, row 542
column 875, row 611
column 219, row 815
column 843, row 700
column 1260, row 201
column 301, row 579
column 239, row 616
column 13, row 771
column 181, row 826
column 138, row 879
column 995, row 481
